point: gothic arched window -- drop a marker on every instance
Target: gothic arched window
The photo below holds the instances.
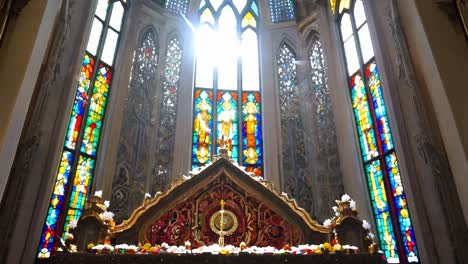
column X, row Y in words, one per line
column 227, row 101
column 380, row 162
column 134, row 157
column 76, row 168
column 295, row 172
column 167, row 115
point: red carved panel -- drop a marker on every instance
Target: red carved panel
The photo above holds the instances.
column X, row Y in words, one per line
column 257, row 224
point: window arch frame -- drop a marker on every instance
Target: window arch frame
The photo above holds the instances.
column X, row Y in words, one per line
column 386, row 156
column 81, row 148
column 241, row 92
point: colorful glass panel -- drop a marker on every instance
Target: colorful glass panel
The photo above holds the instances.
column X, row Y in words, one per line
column 381, row 211
column 227, row 123
column 81, row 99
column 344, row 4
column 376, row 142
column 178, row 6
column 80, row 190
column 252, row 147
column 97, row 108
column 254, row 7
column 222, row 49
column 202, row 127
column 333, row 6
column 249, row 20
column 281, row 10
column 401, row 205
column 86, row 118
column 363, row 118
column 56, row 202
column 380, row 109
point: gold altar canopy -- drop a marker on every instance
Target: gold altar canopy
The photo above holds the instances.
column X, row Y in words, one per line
column 254, row 213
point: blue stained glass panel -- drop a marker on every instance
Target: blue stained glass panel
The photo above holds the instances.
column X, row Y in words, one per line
column 401, row 205
column 381, row 210
column 380, row 109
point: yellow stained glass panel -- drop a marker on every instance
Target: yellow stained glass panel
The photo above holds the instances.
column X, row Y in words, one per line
column 249, row 19
column 344, row 4
column 207, row 17
column 333, row 6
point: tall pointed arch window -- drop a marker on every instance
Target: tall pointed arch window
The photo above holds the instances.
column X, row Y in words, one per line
column 79, row 155
column 380, row 161
column 227, row 101
column 134, row 157
column 167, row 115
column 295, row 173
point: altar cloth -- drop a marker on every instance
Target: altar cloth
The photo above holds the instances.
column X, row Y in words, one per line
column 81, row 258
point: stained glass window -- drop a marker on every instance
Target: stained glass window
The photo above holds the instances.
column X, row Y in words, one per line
column 177, row 6
column 294, row 157
column 134, row 159
column 227, row 101
column 168, row 114
column 281, row 10
column 380, row 162
column 76, row 168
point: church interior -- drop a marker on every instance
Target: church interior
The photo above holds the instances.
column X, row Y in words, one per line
column 226, row 131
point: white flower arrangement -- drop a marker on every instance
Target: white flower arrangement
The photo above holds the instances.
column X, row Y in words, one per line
column 366, row 225
column 107, row 216
column 106, row 204
column 72, row 225
column 345, row 198
column 98, row 193
column 327, row 223
column 352, row 204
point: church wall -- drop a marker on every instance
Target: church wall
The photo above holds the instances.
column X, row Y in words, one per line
column 27, row 196
column 441, row 66
column 21, row 53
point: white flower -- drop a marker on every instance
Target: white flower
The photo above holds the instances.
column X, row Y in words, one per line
column 185, row 177
column 147, row 195
column 371, row 236
column 187, row 243
column 327, row 223
column 98, row 193
column 164, row 245
column 366, row 225
column 72, row 224
column 335, row 208
column 352, row 204
column 345, row 198
column 284, row 194
column 337, row 214
column 107, row 216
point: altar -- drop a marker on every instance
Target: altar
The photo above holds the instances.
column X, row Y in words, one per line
column 221, row 214
column 203, row 259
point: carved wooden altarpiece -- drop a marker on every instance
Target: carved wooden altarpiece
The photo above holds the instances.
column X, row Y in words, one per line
column 255, row 213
